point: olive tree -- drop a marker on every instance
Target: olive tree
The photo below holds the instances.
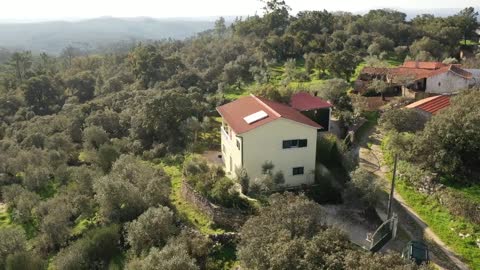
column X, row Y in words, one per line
column 403, row 120
column 12, row 240
column 152, row 228
column 171, row 257
column 450, row 142
column 130, row 188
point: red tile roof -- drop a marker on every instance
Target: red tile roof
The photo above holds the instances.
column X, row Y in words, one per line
column 431, row 104
column 304, row 101
column 408, row 71
column 423, row 65
column 234, row 112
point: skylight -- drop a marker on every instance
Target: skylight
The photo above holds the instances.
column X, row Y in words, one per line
column 252, row 118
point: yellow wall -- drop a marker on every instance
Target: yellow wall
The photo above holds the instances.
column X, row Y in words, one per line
column 264, row 143
column 230, row 150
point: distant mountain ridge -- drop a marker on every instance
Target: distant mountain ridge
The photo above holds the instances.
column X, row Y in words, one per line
column 52, row 37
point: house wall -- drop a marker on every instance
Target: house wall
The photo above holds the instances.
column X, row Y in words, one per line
column 265, row 143
column 475, row 81
column 231, row 154
column 446, row 82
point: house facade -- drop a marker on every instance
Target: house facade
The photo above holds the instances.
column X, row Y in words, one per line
column 450, row 80
column 421, row 79
column 256, row 130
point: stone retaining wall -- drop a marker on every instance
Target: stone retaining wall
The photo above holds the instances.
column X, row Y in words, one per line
column 231, row 218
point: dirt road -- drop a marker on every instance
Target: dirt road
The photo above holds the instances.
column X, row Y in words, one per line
column 371, row 158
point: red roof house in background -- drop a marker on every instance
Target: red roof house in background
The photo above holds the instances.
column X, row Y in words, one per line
column 304, row 101
column 314, row 107
column 419, row 79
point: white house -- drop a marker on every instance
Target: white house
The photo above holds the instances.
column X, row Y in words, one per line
column 422, row 79
column 449, row 79
column 256, row 130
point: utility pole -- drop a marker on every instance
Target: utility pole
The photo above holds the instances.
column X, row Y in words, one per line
column 390, row 198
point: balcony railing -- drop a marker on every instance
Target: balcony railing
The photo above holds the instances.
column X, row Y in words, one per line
column 225, row 134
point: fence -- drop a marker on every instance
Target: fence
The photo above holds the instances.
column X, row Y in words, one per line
column 384, row 233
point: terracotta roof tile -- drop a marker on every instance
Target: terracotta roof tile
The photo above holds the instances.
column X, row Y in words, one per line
column 417, row 73
column 304, row 101
column 423, row 65
column 234, row 112
column 431, row 104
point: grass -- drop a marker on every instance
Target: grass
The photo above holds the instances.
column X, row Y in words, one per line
column 209, row 139
column 49, row 190
column 357, row 71
column 468, row 42
column 471, row 192
column 372, row 120
column 188, row 212
column 441, row 222
column 5, row 217
column 82, row 225
column 276, row 79
column 237, row 92
column 223, row 257
column 446, row 226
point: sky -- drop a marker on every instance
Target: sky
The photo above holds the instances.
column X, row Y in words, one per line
column 37, row 10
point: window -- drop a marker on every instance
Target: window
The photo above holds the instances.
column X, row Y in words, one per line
column 294, row 143
column 298, row 171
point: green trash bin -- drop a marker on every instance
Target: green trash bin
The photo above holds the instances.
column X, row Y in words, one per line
column 416, row 251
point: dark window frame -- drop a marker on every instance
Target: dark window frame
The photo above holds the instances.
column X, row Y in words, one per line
column 298, row 171
column 296, row 143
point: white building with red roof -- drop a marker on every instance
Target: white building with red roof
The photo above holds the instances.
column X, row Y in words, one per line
column 420, row 79
column 256, row 130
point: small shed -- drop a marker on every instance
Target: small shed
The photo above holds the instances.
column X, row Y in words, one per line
column 314, row 108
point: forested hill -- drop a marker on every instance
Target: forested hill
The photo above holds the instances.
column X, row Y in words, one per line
column 93, row 146
column 52, row 37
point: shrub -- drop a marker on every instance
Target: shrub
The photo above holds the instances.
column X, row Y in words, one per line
column 171, row 257
column 106, row 156
column 130, row 188
column 243, row 179
column 150, row 229
column 95, row 249
column 12, row 240
column 24, row 261
column 94, row 137
column 402, row 120
column 414, row 175
column 211, row 182
column 458, row 205
column 364, row 187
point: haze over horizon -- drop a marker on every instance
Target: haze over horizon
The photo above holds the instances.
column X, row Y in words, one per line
column 48, row 10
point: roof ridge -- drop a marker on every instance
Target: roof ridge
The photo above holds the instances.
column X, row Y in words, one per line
column 457, row 69
column 265, row 105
